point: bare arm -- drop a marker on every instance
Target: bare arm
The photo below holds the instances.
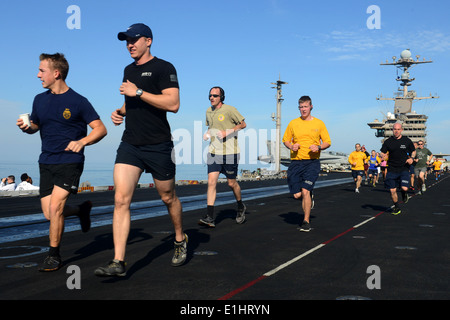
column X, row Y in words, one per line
column 168, row 100
column 224, row 133
column 97, row 134
column 33, row 128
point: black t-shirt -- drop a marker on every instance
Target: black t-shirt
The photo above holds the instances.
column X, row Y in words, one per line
column 399, row 151
column 144, row 123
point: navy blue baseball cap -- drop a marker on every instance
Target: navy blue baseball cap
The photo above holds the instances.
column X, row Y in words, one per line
column 136, row 30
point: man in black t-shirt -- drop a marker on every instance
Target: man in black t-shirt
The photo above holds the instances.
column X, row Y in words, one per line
column 401, row 153
column 150, row 88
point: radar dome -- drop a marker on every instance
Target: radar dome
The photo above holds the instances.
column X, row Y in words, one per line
column 406, row 54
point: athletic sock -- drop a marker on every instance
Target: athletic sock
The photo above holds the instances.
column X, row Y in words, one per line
column 240, row 204
column 53, row 252
column 210, row 211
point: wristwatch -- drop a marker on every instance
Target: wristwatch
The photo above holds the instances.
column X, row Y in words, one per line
column 320, row 147
column 139, row 92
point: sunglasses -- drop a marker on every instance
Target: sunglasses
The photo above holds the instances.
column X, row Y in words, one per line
column 214, row 95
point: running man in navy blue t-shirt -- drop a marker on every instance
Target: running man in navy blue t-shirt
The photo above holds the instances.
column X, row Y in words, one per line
column 61, row 116
column 150, row 87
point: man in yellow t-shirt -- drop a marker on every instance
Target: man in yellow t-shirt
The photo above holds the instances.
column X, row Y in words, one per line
column 357, row 159
column 437, row 168
column 305, row 137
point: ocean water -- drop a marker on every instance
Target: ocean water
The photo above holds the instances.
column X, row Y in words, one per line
column 101, row 174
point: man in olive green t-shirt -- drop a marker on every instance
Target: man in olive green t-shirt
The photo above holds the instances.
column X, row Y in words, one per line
column 223, row 121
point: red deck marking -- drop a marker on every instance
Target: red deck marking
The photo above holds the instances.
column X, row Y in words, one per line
column 282, row 266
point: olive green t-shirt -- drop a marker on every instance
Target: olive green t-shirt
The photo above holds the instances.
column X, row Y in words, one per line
column 223, row 118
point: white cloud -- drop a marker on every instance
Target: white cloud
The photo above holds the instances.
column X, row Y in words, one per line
column 361, row 43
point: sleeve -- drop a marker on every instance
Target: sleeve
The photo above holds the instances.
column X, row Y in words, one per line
column 324, row 135
column 168, row 77
column 237, row 116
column 33, row 115
column 89, row 114
column 384, row 148
column 287, row 134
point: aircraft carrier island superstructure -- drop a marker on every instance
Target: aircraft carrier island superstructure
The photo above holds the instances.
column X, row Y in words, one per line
column 414, row 124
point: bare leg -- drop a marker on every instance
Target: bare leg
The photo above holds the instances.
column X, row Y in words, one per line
column 126, row 178
column 166, row 190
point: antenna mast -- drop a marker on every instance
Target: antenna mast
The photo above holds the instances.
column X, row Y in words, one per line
column 277, row 120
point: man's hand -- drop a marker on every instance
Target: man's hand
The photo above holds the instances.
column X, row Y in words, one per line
column 128, row 89
column 75, row 146
column 117, row 117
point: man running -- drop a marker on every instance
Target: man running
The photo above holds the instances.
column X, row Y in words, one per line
column 357, row 159
column 305, row 136
column 401, row 153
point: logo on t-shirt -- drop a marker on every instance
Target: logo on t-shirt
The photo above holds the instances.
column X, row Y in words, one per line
column 67, row 114
column 146, row 74
column 221, row 117
column 173, row 78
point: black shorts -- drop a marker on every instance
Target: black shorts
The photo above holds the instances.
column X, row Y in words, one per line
column 226, row 164
column 65, row 175
column 152, row 158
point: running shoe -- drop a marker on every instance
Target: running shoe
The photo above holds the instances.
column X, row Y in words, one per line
column 305, row 227
column 240, row 217
column 207, row 221
column 51, row 263
column 113, row 268
column 84, row 215
column 357, row 190
column 396, row 211
column 180, row 254
column 424, row 188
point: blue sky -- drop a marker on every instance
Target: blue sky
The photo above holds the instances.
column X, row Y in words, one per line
column 323, row 49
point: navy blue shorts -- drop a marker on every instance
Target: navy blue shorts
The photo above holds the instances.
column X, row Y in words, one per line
column 397, row 179
column 373, row 172
column 356, row 173
column 302, row 174
column 152, row 158
column 226, row 164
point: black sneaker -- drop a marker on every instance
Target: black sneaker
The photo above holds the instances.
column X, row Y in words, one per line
column 179, row 257
column 305, row 227
column 113, row 268
column 51, row 263
column 240, row 217
column 207, row 221
column 84, row 215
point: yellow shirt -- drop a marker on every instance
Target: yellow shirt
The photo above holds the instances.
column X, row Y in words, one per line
column 358, row 157
column 306, row 133
column 437, row 165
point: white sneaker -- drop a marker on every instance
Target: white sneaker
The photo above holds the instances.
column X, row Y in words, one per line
column 357, row 190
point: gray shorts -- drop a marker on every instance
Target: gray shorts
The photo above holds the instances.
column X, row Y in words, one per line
column 419, row 170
